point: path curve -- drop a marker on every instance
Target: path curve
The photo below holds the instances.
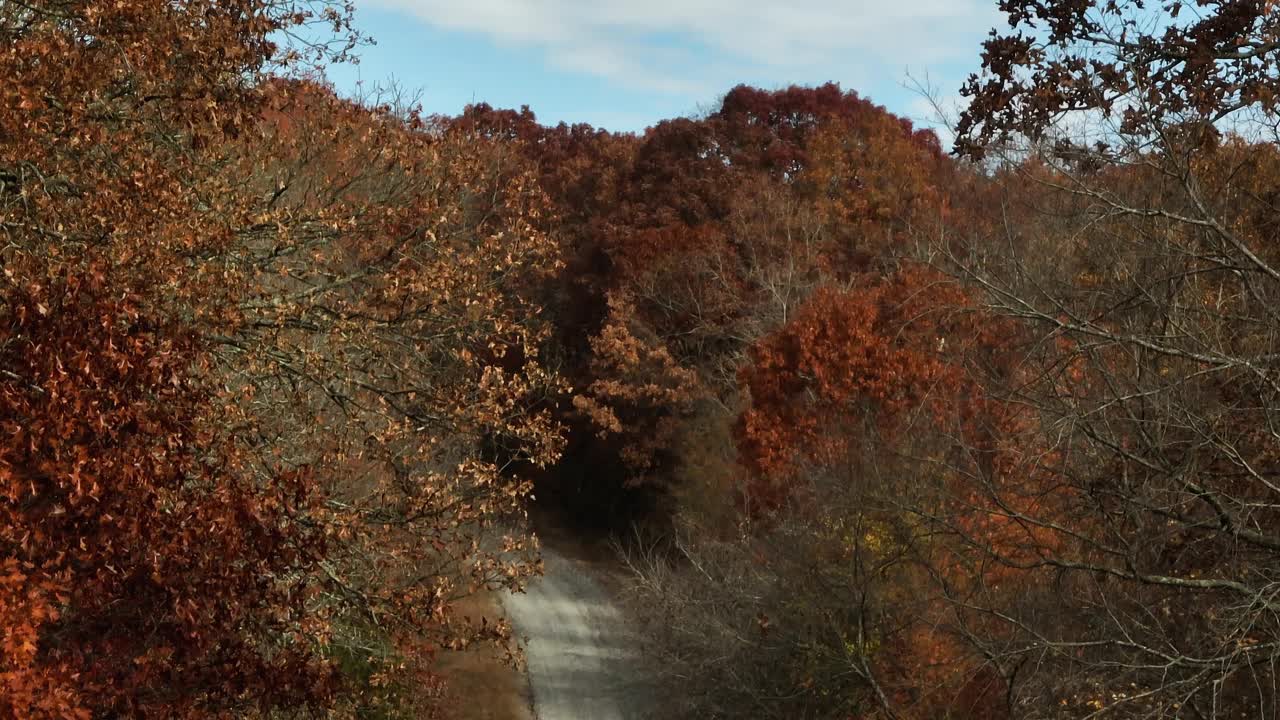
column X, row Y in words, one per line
column 581, row 656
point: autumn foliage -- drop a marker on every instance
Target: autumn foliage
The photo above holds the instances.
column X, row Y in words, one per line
column 878, row 351
column 1003, row 409
column 895, row 434
column 233, row 485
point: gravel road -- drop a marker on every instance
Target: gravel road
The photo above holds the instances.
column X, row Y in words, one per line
column 582, row 663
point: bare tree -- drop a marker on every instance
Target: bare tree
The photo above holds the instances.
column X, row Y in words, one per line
column 1135, row 254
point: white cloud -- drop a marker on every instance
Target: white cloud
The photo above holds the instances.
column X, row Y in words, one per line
column 695, row 46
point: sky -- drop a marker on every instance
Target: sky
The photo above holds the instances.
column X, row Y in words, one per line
column 625, row 64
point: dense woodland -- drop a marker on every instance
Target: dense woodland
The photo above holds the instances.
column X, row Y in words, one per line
column 889, row 429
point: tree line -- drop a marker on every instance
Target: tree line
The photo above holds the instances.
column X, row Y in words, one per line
column 903, row 430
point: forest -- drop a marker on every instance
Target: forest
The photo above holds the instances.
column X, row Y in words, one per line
column 887, row 428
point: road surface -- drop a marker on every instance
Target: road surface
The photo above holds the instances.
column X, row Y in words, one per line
column 581, row 656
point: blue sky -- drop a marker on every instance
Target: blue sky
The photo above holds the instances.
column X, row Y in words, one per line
column 625, row 64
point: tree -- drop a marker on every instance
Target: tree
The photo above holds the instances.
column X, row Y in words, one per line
column 268, row 368
column 721, row 227
column 1153, row 335
column 772, row 131
column 870, row 350
column 825, row 594
column 147, row 571
column 387, row 338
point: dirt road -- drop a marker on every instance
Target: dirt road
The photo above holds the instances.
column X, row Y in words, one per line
column 582, row 663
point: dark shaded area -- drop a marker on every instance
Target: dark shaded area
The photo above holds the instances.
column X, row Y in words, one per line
column 586, row 493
